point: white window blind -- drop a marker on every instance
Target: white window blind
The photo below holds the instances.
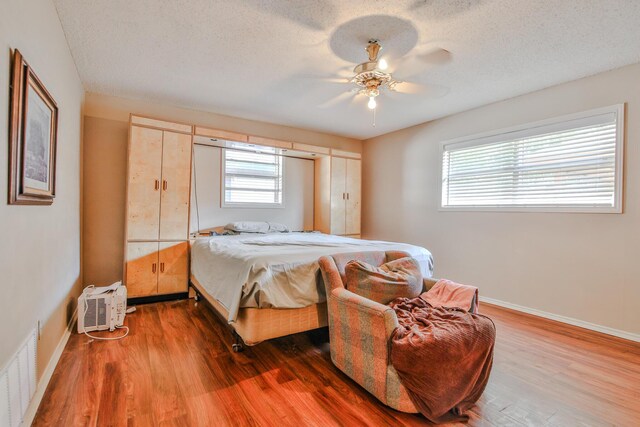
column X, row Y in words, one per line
column 252, row 178
column 569, row 164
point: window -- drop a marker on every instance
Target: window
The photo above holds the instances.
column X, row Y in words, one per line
column 252, row 178
column 570, row 164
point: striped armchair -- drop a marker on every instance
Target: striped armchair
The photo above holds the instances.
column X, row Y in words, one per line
column 360, row 330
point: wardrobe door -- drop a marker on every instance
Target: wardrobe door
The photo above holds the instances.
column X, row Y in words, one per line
column 354, row 191
column 142, row 269
column 176, row 179
column 143, row 185
column 322, row 195
column 338, row 194
column 173, row 270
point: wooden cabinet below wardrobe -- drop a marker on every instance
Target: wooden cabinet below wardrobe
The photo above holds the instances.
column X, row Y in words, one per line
column 156, row 268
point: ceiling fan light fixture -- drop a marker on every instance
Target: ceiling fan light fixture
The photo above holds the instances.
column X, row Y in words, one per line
column 372, row 77
column 372, row 91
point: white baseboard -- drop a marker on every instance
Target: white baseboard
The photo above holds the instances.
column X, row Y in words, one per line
column 564, row 319
column 48, row 373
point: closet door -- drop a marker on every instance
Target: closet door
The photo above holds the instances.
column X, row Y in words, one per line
column 354, row 191
column 176, row 179
column 143, row 187
column 142, row 269
column 338, row 194
column 173, row 270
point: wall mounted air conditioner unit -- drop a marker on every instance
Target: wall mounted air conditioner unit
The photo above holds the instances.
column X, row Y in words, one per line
column 102, row 308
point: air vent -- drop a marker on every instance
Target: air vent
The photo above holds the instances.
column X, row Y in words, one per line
column 18, row 383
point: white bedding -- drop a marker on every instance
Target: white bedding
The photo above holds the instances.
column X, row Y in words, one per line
column 277, row 270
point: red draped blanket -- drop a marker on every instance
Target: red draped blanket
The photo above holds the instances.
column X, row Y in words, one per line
column 443, row 357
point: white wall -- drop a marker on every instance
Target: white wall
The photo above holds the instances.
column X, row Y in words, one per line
column 584, row 266
column 297, row 212
column 116, row 108
column 40, row 245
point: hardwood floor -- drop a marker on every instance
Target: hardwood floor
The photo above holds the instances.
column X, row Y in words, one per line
column 176, row 368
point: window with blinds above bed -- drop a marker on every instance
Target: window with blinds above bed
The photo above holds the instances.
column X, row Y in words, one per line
column 570, row 164
column 252, row 178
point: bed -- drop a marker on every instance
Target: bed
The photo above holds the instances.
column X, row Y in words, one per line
column 269, row 285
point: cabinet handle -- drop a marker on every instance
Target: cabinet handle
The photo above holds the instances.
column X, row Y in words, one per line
column 157, row 185
column 153, row 267
column 347, row 196
column 343, row 197
column 162, row 267
column 164, row 185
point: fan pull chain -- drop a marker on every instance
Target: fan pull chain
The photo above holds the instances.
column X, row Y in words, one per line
column 374, row 117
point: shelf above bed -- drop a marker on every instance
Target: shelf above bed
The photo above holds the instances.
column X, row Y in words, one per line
column 300, row 151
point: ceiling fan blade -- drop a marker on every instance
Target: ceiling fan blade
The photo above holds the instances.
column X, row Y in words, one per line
column 336, row 80
column 428, row 90
column 418, row 61
column 408, row 88
column 338, row 99
column 435, row 56
column 343, row 74
column 339, row 80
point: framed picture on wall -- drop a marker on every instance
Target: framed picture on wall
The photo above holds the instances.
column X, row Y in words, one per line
column 33, row 125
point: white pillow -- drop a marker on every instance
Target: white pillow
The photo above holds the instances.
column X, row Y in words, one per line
column 248, row 226
column 256, row 227
column 276, row 227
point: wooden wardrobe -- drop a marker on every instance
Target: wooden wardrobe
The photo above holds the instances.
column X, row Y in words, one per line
column 338, row 183
column 157, row 218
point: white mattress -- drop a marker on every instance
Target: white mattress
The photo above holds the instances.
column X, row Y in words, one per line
column 277, row 270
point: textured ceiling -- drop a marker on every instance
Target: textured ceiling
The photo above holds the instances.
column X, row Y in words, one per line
column 271, row 60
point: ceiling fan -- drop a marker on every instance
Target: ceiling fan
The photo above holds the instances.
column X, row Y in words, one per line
column 372, row 77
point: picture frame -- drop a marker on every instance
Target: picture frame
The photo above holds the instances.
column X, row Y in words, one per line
column 33, row 126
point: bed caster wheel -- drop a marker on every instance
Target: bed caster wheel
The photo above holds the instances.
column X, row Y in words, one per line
column 237, row 348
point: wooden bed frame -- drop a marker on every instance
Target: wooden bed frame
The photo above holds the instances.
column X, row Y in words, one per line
column 254, row 325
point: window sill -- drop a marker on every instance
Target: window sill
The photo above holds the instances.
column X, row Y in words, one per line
column 534, row 209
